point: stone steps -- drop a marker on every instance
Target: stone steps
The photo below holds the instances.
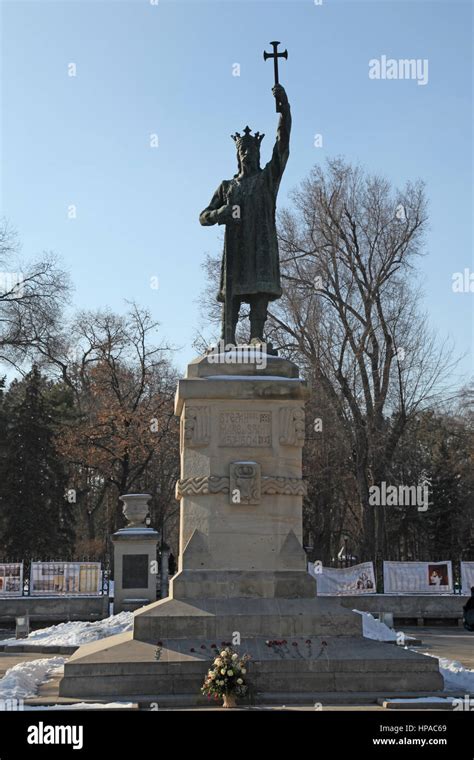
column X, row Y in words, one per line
column 218, row 619
column 128, row 667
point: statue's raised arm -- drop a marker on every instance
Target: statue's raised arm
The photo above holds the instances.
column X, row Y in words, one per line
column 281, row 150
column 284, row 126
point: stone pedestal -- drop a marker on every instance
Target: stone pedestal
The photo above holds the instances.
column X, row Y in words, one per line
column 241, row 488
column 242, row 569
column 134, row 552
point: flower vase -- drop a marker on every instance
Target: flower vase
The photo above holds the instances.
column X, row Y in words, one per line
column 229, row 700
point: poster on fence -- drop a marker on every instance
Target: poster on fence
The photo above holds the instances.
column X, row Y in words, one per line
column 65, row 578
column 358, row 579
column 467, row 577
column 11, row 579
column 418, row 577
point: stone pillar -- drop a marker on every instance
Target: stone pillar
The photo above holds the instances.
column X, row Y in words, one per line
column 164, row 574
column 241, row 486
column 134, row 553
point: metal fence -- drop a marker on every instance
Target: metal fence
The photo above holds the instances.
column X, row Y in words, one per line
column 54, row 578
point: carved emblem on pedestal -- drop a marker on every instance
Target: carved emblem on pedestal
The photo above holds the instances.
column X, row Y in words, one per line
column 245, row 483
column 292, row 426
column 196, row 426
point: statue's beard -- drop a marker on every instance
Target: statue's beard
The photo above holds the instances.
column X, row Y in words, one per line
column 249, row 165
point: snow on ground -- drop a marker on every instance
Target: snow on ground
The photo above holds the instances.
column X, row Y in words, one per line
column 23, row 679
column 76, row 633
column 456, row 676
column 375, row 629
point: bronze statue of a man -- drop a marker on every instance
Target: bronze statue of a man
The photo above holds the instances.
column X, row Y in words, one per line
column 250, row 269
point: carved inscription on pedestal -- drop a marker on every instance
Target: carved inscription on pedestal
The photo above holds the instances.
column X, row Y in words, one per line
column 245, row 429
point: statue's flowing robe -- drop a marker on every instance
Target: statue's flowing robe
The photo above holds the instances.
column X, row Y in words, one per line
column 250, row 262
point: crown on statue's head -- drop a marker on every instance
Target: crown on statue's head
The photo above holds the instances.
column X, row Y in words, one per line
column 247, row 138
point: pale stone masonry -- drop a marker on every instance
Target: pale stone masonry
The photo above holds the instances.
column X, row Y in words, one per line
column 241, row 487
column 242, row 569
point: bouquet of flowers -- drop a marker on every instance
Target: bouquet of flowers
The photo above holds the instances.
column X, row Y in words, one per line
column 226, row 676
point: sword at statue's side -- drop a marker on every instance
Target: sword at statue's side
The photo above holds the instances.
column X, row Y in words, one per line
column 275, row 55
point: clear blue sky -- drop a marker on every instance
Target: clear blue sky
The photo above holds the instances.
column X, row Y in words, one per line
column 167, row 69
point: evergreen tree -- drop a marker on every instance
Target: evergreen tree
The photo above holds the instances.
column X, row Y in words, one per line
column 449, row 515
column 36, row 520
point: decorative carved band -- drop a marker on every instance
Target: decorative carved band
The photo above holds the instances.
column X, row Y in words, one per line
column 201, row 486
column 209, row 484
column 287, row 486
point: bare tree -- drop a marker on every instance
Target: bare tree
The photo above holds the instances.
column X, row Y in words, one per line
column 123, row 428
column 350, row 313
column 208, row 332
column 32, row 297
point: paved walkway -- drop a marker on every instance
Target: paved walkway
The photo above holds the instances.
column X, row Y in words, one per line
column 9, row 660
column 450, row 642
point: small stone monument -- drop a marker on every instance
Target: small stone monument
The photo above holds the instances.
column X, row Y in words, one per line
column 22, row 626
column 134, row 552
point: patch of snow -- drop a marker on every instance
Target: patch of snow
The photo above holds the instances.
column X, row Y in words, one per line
column 456, row 676
column 23, row 679
column 253, row 377
column 243, row 354
column 375, row 629
column 75, row 633
column 139, row 531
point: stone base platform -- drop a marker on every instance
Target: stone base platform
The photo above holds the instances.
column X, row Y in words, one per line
column 131, row 664
column 217, row 584
column 123, row 666
column 218, row 619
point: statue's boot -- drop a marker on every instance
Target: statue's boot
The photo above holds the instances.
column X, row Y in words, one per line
column 228, row 331
column 258, row 317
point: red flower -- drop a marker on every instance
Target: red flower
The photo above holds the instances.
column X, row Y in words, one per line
column 160, row 643
column 213, row 646
column 308, row 641
column 203, row 646
column 192, row 649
